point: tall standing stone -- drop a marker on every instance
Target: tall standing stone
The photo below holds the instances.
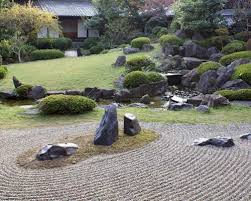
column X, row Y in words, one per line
column 131, row 125
column 108, row 130
column 16, row 82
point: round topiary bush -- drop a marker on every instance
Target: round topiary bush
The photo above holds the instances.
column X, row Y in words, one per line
column 154, row 77
column 242, row 94
column 62, row 43
column 96, row 49
column 171, row 39
column 243, row 72
column 234, row 46
column 140, row 63
column 44, row 43
column 66, row 104
column 206, row 66
column 3, row 72
column 46, row 54
column 139, row 42
column 135, row 79
column 23, row 90
column 228, row 59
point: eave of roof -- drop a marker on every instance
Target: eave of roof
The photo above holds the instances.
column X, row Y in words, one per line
column 76, row 8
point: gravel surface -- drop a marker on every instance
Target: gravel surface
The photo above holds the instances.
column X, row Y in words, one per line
column 168, row 169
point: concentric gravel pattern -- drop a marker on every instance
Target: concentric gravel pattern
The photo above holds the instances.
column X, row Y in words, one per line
column 168, row 169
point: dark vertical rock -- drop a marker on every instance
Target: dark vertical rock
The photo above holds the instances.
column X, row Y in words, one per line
column 108, row 130
column 16, row 82
column 131, row 125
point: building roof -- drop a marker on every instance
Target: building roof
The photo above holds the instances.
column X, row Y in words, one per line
column 76, row 8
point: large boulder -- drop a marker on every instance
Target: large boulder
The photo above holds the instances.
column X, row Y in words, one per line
column 235, row 85
column 203, row 109
column 196, row 100
column 130, row 50
column 37, row 92
column 215, row 100
column 192, row 62
column 16, row 82
column 181, row 34
column 179, row 106
column 120, row 61
column 55, row 151
column 216, row 57
column 211, row 51
column 131, row 125
column 170, row 49
column 194, row 50
column 216, row 141
column 147, row 48
column 74, row 92
column 123, row 95
column 146, row 99
column 171, row 63
column 207, row 83
column 97, row 94
column 8, row 95
column 189, row 80
column 119, row 83
column 108, row 130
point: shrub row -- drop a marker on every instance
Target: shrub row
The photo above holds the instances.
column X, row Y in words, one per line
column 242, row 94
column 54, row 43
column 46, row 54
column 3, row 71
column 140, row 42
column 137, row 78
column 228, row 59
column 65, row 104
column 234, row 46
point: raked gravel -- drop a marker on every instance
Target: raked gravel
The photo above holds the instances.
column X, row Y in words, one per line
column 169, row 169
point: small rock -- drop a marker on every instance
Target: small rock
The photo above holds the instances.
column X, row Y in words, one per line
column 138, row 105
column 108, row 130
column 16, row 82
column 73, row 92
column 211, row 51
column 79, row 53
column 180, row 106
column 147, row 48
column 215, row 100
column 131, row 125
column 145, row 99
column 51, row 152
column 235, row 85
column 130, row 50
column 217, row 141
column 246, row 136
column 37, row 92
column 121, row 61
column 216, row 57
column 203, row 109
column 178, row 99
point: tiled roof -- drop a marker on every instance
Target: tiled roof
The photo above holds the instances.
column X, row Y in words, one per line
column 67, row 7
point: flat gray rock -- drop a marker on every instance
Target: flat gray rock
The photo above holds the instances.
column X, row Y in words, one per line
column 216, row 141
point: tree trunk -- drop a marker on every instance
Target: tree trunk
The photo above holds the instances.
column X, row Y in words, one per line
column 19, row 56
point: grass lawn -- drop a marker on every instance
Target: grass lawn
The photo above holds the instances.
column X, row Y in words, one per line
column 67, row 73
column 11, row 117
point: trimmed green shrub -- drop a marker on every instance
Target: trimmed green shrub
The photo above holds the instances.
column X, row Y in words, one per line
column 243, row 72
column 23, row 90
column 228, row 59
column 89, row 43
column 163, row 31
column 62, row 43
column 44, row 43
column 135, row 79
column 140, row 63
column 66, row 104
column 234, row 46
column 206, row 66
column 154, row 77
column 221, row 32
column 244, row 36
column 96, row 49
column 46, row 54
column 3, row 72
column 242, row 94
column 139, row 42
column 171, row 39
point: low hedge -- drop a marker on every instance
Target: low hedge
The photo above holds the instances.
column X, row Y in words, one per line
column 66, row 104
column 46, row 54
column 139, row 42
column 140, row 63
column 206, row 66
column 244, row 36
column 23, row 90
column 3, row 72
column 96, row 49
column 135, row 79
column 242, row 94
column 228, row 59
column 62, row 43
column 234, row 46
column 243, row 72
column 89, row 43
column 171, row 39
column 154, row 77
column 44, row 43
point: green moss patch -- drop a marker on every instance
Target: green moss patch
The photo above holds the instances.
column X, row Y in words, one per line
column 206, row 66
column 228, row 59
column 242, row 94
column 170, row 39
column 235, row 46
column 87, row 150
column 243, row 72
